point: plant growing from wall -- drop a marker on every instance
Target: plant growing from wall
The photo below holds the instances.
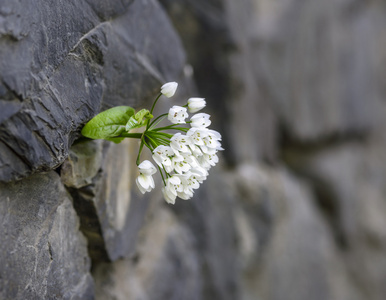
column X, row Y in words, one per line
column 183, row 158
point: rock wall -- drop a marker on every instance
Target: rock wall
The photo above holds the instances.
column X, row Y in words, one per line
column 295, row 210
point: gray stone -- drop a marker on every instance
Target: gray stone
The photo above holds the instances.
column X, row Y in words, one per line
column 321, row 65
column 106, row 197
column 352, row 177
column 296, row 83
column 298, row 259
column 60, row 65
column 164, row 267
column 42, row 253
column 82, row 164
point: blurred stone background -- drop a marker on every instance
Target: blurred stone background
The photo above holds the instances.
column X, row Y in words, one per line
column 295, row 210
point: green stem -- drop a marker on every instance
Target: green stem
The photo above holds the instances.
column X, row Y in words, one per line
column 140, row 151
column 153, row 142
column 152, row 108
column 184, row 129
column 166, row 173
column 163, row 142
column 148, row 146
column 163, row 179
column 170, row 127
column 159, row 117
column 156, row 134
column 131, row 135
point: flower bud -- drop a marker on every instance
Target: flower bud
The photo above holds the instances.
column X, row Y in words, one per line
column 196, row 104
column 169, row 89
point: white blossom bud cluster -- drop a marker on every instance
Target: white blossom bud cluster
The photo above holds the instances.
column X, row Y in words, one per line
column 188, row 160
column 188, row 157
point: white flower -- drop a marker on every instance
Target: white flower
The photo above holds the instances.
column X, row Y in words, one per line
column 208, row 160
column 147, row 168
column 184, row 191
column 195, row 177
column 169, row 89
column 180, row 164
column 169, row 195
column 212, row 140
column 208, row 150
column 196, row 104
column 145, row 183
column 197, row 135
column 179, row 143
column 200, row 173
column 170, row 190
column 177, row 114
column 196, row 151
column 212, row 143
column 200, row 120
column 216, row 135
column 192, row 181
column 190, row 159
column 162, row 155
column 178, row 185
column 145, row 180
column 207, row 140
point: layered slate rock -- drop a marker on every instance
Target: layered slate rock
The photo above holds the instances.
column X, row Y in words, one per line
column 311, row 226
column 43, row 255
column 165, row 265
column 61, row 64
column 101, row 176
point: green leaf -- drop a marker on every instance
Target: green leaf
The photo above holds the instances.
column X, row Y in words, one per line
column 138, row 120
column 109, row 123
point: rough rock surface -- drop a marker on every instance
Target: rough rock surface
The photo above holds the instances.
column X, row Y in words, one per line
column 164, row 256
column 349, row 181
column 101, row 178
column 295, row 210
column 106, row 51
column 43, row 255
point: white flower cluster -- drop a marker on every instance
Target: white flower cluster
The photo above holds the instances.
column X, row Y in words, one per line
column 187, row 157
column 187, row 160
